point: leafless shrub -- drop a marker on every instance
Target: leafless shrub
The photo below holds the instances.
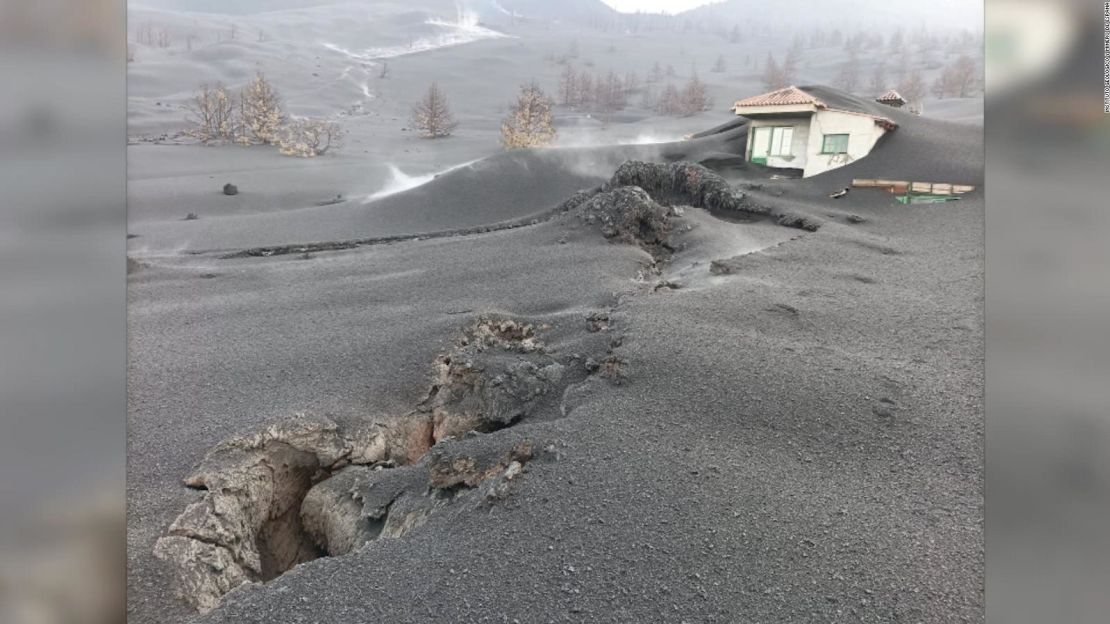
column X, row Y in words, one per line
column 694, row 97
column 261, row 112
column 210, row 114
column 432, row 116
column 670, row 101
column 308, row 138
column 958, row 79
column 530, row 123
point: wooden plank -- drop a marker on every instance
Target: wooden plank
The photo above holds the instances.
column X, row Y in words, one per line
column 962, row 188
column 864, row 183
column 900, row 187
column 921, row 187
column 942, row 189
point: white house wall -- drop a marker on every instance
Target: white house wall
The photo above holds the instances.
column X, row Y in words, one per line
column 862, row 133
column 799, row 146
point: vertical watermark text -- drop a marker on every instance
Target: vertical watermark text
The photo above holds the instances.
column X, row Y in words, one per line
column 1106, row 57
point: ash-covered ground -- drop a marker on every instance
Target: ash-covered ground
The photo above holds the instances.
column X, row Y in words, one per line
column 624, row 379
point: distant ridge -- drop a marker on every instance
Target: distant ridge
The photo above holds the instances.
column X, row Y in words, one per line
column 850, row 14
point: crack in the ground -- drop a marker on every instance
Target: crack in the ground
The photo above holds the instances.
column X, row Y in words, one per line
column 305, row 487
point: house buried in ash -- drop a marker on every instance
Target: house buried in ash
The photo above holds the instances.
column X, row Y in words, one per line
column 809, row 130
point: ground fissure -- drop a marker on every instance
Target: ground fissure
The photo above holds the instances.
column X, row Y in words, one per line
column 308, row 486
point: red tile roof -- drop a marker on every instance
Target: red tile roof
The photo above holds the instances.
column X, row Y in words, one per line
column 891, row 96
column 793, row 96
column 782, row 97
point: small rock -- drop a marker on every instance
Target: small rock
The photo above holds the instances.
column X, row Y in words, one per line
column 231, row 189
column 720, row 267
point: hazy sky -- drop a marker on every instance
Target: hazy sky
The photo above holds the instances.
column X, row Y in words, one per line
column 655, row 6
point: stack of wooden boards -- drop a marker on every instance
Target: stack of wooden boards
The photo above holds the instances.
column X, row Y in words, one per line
column 916, row 188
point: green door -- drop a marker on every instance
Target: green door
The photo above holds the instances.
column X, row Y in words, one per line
column 761, row 145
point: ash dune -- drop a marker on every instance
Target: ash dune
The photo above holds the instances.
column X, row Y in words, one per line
column 433, row 380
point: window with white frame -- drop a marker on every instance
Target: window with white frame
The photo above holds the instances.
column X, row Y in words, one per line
column 781, row 139
column 835, row 144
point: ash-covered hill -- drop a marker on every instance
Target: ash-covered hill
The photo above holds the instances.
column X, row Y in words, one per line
column 852, row 14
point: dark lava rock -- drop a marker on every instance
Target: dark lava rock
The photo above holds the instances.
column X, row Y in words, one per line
column 681, row 183
column 231, row 189
column 630, row 215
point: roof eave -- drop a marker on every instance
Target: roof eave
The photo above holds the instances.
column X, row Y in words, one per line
column 773, row 109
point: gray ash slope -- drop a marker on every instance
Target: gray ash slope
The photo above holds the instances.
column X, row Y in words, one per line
column 796, row 438
column 506, row 187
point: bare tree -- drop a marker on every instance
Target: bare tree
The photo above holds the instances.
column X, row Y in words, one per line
column 793, row 57
column 656, row 73
column 719, row 65
column 940, row 87
column 670, row 101
column 308, row 138
column 608, row 94
column 848, row 78
column 734, row 34
column 790, row 65
column 568, row 86
column 530, row 122
column 210, row 114
column 164, row 39
column 234, row 31
column 960, row 76
column 817, row 39
column 261, row 111
column 912, row 88
column 585, row 89
column 384, row 71
column 878, row 78
column 631, row 82
column 432, row 116
column 695, row 99
column 144, row 34
column 773, row 76
column 896, row 41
